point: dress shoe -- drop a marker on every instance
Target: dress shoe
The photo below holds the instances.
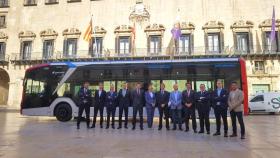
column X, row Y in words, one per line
column 159, row 128
column 78, row 127
column 101, row 126
column 119, row 127
column 125, row 127
column 233, row 135
column 187, row 130
column 200, row 132
column 225, row 135
column 93, row 126
column 107, row 127
column 217, row 134
column 113, row 127
column 141, row 128
column 133, row 128
column 194, row 131
column 242, row 137
column 174, row 128
column 208, row 132
column 167, row 128
column 181, row 129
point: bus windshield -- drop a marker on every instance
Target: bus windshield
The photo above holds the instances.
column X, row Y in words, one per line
column 39, row 85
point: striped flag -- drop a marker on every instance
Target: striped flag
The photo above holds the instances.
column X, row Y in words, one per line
column 87, row 35
column 273, row 26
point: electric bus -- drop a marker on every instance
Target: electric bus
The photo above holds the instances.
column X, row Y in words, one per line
column 51, row 89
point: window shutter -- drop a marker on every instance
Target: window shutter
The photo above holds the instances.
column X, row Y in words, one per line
column 90, row 47
column 278, row 41
column 117, row 45
column 235, row 42
column 206, row 43
column 101, row 46
column 222, row 44
column 21, row 50
column 30, row 50
column 75, row 48
column 264, row 41
column 191, row 44
column 44, row 49
column 251, row 43
column 130, row 45
column 65, row 45
column 160, row 45
column 148, row 44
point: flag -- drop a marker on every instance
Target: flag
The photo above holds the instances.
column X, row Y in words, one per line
column 87, row 35
column 273, row 26
column 176, row 31
column 133, row 33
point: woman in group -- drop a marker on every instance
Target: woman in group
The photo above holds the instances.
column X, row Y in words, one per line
column 150, row 105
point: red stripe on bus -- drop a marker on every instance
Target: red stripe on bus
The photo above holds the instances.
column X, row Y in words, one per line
column 244, row 84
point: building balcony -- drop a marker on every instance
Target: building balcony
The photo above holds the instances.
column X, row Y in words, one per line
column 4, row 59
column 4, row 3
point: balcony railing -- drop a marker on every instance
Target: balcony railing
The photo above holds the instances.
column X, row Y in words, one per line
column 51, row 1
column 30, row 2
column 4, row 3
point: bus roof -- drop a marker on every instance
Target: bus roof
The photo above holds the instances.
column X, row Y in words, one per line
column 84, row 63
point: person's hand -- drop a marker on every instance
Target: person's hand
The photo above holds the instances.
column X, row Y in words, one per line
column 189, row 105
column 162, row 105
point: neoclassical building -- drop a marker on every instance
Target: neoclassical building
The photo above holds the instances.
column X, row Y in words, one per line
column 38, row 31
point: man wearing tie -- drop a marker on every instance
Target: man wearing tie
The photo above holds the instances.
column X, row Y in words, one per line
column 203, row 108
column 175, row 104
column 162, row 98
column 111, row 103
column 188, row 100
column 219, row 103
column 137, row 98
column 85, row 101
column 99, row 98
column 150, row 99
column 124, row 103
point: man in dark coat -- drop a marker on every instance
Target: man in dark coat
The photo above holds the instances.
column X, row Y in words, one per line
column 162, row 98
column 85, row 101
column 137, row 98
column 111, row 103
column 99, row 103
column 124, row 103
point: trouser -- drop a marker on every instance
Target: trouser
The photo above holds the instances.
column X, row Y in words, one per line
column 221, row 113
column 190, row 113
column 82, row 108
column 150, row 115
column 203, row 113
column 163, row 111
column 177, row 117
column 110, row 113
column 239, row 116
column 99, row 108
column 137, row 108
column 123, row 108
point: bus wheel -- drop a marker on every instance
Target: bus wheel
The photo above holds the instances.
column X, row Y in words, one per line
column 63, row 112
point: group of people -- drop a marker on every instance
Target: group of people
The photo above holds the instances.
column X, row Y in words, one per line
column 181, row 105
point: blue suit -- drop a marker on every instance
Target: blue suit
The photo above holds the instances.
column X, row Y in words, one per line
column 150, row 107
column 175, row 104
column 111, row 104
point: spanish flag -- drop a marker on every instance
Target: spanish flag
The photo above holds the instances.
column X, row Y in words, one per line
column 87, row 35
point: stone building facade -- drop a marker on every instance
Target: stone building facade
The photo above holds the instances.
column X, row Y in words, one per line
column 36, row 31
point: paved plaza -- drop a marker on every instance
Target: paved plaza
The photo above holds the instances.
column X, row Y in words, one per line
column 44, row 137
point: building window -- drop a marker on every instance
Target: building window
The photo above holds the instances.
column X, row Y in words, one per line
column 259, row 67
column 2, row 50
column 26, row 48
column 70, row 47
column 268, row 45
column 213, row 42
column 154, row 45
column 4, row 3
column 30, row 2
column 242, row 42
column 48, row 49
column 124, row 45
column 51, row 1
column 96, row 47
column 71, row 1
column 184, row 44
column 2, row 21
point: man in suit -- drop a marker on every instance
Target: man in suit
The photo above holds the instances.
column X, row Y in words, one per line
column 99, row 98
column 219, row 103
column 85, row 101
column 188, row 100
column 235, row 101
column 138, row 100
column 111, row 103
column 175, row 104
column 124, row 103
column 162, row 98
column 203, row 107
column 150, row 102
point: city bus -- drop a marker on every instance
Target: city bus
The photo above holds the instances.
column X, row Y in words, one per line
column 51, row 89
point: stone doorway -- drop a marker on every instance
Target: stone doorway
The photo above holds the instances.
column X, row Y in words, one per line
column 4, row 86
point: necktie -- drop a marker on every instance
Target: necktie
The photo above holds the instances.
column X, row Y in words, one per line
column 138, row 92
column 188, row 93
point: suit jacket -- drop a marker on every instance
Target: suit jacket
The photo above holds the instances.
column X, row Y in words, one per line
column 162, row 98
column 235, row 100
column 150, row 101
column 219, row 101
column 100, row 100
column 202, row 99
column 84, row 96
column 124, row 100
column 137, row 99
column 111, row 99
column 175, row 103
column 188, row 98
